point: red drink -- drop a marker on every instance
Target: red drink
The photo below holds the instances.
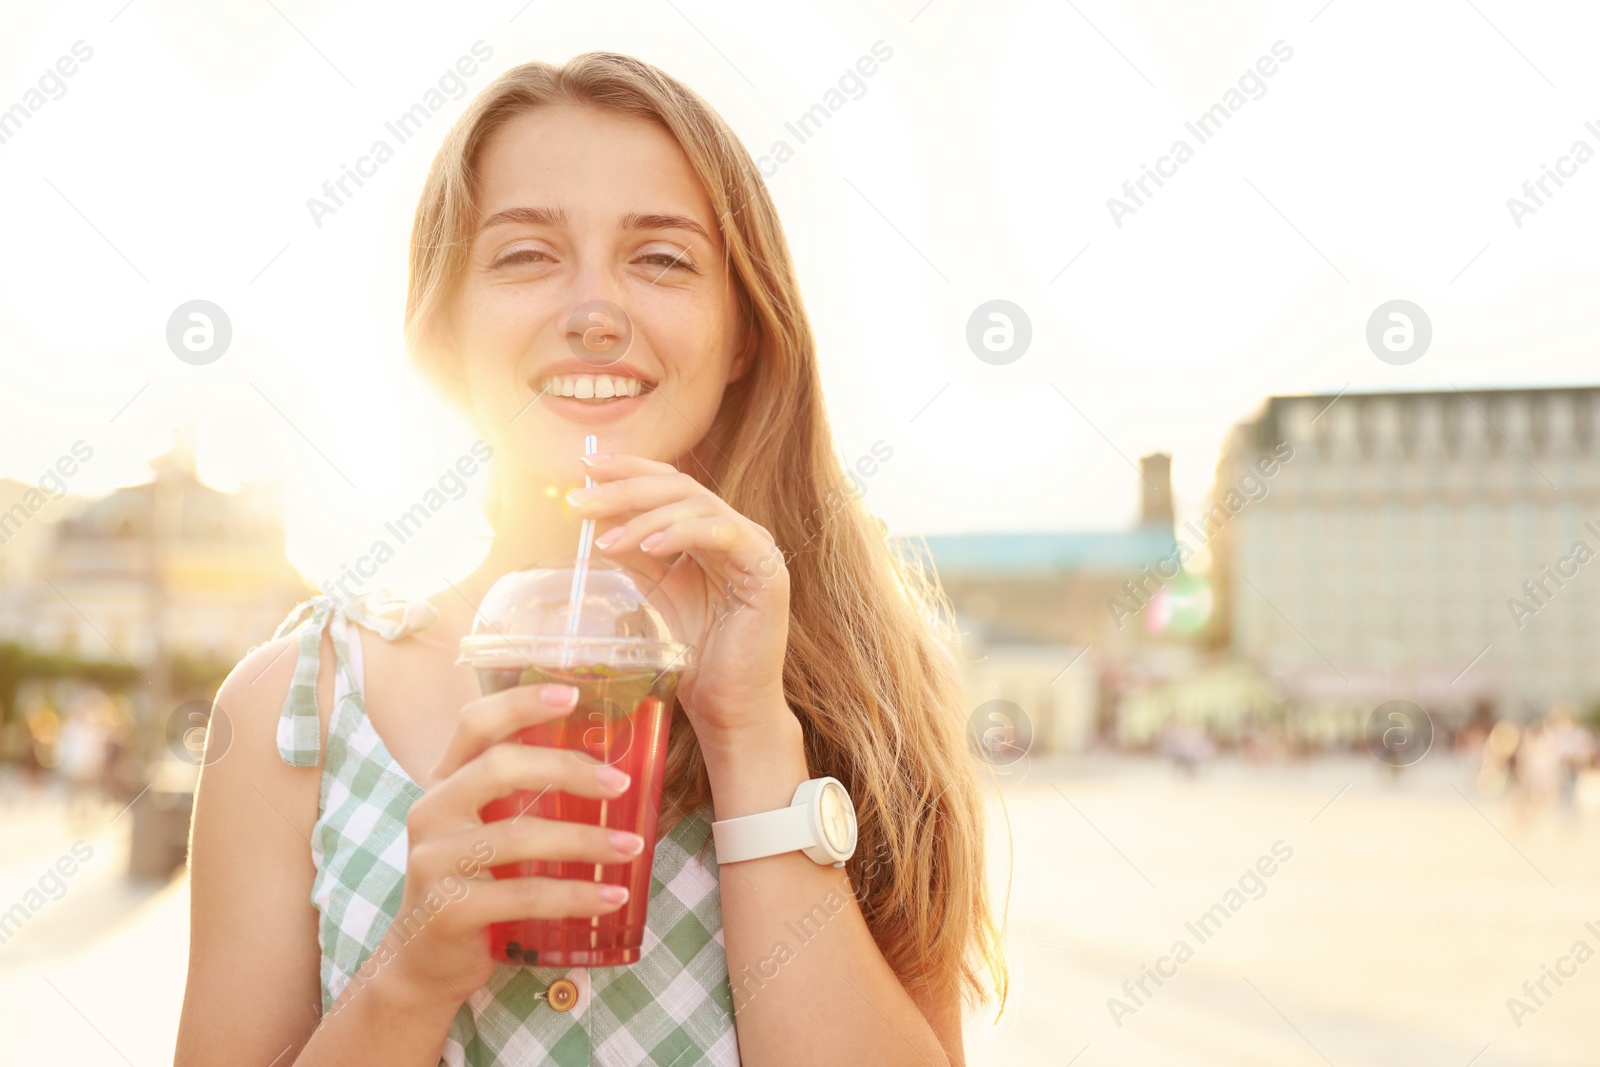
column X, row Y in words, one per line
column 621, row 719
column 619, row 652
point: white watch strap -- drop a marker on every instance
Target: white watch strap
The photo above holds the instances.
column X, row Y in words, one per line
column 767, row 833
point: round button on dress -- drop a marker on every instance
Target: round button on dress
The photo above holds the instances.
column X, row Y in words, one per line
column 562, row 994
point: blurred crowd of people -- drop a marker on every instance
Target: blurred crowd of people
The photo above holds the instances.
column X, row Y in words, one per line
column 1549, row 764
column 82, row 745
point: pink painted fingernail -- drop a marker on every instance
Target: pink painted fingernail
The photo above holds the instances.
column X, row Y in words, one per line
column 614, row 894
column 559, row 696
column 607, row 539
column 623, row 841
column 653, row 540
column 612, row 778
column 597, row 458
column 579, row 497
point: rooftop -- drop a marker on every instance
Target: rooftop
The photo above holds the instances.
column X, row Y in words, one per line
column 1110, row 551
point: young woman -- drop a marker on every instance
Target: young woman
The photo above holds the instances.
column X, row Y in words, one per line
column 358, row 766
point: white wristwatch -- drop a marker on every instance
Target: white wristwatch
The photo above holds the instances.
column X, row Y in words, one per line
column 820, row 821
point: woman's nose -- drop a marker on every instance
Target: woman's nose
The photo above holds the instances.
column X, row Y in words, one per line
column 599, row 332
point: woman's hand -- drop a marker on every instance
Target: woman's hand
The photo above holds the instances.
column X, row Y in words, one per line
column 723, row 575
column 439, row 942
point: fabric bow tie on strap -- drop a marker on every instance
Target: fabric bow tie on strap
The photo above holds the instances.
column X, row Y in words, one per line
column 391, row 617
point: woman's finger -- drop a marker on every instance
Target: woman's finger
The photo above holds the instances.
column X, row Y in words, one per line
column 540, row 898
column 553, row 840
column 609, row 467
column 495, row 717
column 507, row 768
column 728, row 544
column 635, row 494
column 652, row 570
column 627, row 536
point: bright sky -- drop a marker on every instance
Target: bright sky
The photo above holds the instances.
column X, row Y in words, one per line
column 975, row 166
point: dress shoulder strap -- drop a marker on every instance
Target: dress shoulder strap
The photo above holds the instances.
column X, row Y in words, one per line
column 391, row 617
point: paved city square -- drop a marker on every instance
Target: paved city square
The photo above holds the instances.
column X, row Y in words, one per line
column 1399, row 915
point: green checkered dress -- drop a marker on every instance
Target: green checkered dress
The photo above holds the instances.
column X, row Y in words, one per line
column 673, row 1007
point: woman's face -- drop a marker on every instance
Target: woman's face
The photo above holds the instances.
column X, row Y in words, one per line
column 592, row 222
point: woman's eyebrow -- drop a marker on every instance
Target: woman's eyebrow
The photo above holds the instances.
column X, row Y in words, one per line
column 530, row 216
column 633, row 220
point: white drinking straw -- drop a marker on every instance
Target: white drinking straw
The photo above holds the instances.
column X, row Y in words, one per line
column 580, row 572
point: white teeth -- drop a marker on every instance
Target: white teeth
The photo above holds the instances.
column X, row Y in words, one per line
column 591, row 386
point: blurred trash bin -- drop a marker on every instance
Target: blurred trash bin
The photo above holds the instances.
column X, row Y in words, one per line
column 161, row 821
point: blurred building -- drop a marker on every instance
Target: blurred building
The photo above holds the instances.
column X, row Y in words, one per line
column 28, row 518
column 1059, row 587
column 168, row 567
column 1032, row 605
column 1057, row 688
column 1430, row 546
column 1227, row 700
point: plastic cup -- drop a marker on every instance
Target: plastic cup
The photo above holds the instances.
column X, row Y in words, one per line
column 625, row 663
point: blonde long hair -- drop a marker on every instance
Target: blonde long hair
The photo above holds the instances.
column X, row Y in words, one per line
column 877, row 692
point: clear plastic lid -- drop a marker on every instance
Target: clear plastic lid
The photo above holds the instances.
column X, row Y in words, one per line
column 523, row 622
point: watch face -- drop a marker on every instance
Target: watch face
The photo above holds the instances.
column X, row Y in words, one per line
column 838, row 820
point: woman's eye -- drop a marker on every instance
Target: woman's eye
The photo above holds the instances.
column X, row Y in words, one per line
column 521, row 255
column 668, row 260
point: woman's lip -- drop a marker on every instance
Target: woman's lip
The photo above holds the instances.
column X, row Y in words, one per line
column 575, row 410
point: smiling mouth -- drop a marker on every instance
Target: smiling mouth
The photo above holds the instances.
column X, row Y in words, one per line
column 592, row 388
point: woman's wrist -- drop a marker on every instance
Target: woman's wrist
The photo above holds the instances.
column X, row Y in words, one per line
column 758, row 766
column 390, row 1017
column 410, row 993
